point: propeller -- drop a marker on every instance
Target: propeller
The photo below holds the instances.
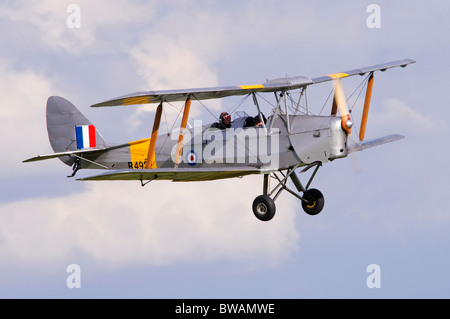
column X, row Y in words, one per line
column 341, row 102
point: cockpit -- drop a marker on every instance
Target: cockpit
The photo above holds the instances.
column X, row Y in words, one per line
column 242, row 120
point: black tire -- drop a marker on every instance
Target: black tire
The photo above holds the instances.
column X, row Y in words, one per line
column 315, row 201
column 264, row 208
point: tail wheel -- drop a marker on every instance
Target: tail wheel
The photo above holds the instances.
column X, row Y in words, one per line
column 264, row 208
column 314, row 201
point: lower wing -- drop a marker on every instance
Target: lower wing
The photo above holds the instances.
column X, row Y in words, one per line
column 176, row 174
column 374, row 142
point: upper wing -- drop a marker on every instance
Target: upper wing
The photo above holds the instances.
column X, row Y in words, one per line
column 205, row 93
column 175, row 174
column 288, row 83
column 378, row 67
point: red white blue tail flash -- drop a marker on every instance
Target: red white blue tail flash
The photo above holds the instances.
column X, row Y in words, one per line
column 85, row 135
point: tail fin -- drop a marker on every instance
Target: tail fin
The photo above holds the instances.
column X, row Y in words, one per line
column 69, row 130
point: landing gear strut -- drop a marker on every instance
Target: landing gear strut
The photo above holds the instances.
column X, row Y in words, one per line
column 312, row 199
column 75, row 167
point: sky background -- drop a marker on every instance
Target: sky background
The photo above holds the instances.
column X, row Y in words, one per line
column 388, row 206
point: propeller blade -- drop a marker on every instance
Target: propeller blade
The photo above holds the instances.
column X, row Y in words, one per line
column 365, row 115
column 342, row 105
column 334, row 107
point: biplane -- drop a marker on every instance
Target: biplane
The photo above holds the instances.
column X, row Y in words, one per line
column 279, row 145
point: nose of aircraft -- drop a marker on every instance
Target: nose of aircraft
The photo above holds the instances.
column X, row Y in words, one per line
column 338, row 138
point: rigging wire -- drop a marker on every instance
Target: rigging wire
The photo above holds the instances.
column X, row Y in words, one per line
column 362, row 82
column 201, row 103
column 360, row 91
column 362, row 86
column 239, row 103
column 323, row 106
column 165, row 120
column 291, row 99
column 268, row 102
column 169, row 133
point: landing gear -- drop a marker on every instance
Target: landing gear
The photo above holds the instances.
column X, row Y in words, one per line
column 75, row 167
column 312, row 199
column 264, row 208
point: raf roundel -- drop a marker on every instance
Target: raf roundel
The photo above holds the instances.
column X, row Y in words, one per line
column 191, row 158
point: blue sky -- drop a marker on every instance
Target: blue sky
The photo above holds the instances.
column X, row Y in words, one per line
column 201, row 240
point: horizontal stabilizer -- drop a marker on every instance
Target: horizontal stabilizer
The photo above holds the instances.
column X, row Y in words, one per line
column 60, row 154
column 176, row 174
column 375, row 142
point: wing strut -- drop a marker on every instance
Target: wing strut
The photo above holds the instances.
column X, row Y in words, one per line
column 255, row 100
column 275, row 114
column 187, row 106
column 151, row 159
column 362, row 131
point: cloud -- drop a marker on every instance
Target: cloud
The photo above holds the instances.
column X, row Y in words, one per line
column 117, row 224
column 399, row 116
column 23, row 95
column 179, row 54
column 398, row 111
column 97, row 21
column 170, row 66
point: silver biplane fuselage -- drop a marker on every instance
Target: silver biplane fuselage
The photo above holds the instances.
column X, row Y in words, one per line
column 309, row 139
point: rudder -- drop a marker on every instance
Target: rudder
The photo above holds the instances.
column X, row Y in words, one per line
column 69, row 130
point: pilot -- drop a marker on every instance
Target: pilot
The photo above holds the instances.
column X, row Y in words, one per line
column 224, row 121
column 254, row 121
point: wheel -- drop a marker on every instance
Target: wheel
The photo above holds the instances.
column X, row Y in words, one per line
column 315, row 201
column 264, row 208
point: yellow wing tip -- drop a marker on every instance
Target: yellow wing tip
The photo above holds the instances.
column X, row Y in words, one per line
column 249, row 87
column 135, row 100
column 337, row 75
